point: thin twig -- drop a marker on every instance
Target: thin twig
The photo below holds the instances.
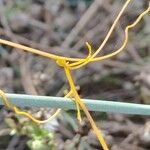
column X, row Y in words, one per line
column 82, row 22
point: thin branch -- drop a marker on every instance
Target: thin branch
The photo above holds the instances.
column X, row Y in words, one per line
column 82, row 23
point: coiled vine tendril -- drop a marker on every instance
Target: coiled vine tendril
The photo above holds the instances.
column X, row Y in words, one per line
column 69, row 64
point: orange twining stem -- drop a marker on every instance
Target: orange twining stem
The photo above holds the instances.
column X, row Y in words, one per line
column 82, row 61
column 76, row 66
column 77, row 106
column 86, row 60
column 5, row 100
column 69, row 64
column 126, row 36
column 56, row 57
column 18, row 111
column 82, row 105
column 107, row 36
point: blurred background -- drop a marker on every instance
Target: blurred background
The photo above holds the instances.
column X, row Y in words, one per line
column 62, row 27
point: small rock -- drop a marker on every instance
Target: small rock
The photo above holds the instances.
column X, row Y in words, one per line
column 65, row 20
column 144, row 135
column 35, row 10
column 6, row 79
column 19, row 21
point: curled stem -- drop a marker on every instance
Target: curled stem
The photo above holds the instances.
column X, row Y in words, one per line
column 129, row 27
column 126, row 36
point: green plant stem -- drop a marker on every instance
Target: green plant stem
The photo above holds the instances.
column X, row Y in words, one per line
column 66, row 103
